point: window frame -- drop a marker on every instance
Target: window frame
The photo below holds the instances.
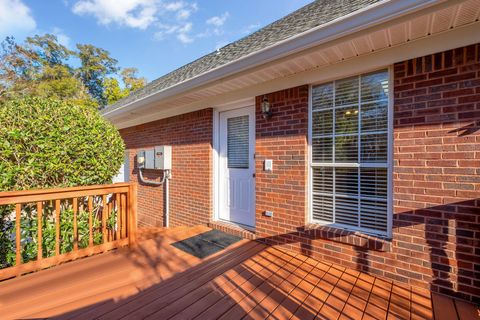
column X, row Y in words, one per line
column 389, row 162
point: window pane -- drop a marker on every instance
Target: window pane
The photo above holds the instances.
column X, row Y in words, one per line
column 346, row 181
column 346, row 120
column 374, row 116
column 346, row 149
column 237, row 142
column 322, row 149
column 373, row 182
column 322, row 122
column 323, row 180
column 322, row 207
column 373, row 214
column 323, row 204
column 322, row 97
column 374, row 86
column 374, row 148
column 346, row 211
column 346, row 92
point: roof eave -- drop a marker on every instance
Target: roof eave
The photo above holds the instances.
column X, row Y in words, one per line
column 356, row 21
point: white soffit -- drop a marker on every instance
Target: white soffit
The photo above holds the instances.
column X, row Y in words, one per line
column 459, row 15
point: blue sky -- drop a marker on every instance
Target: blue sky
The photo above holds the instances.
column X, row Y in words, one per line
column 155, row 36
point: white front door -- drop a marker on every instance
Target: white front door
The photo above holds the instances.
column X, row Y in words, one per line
column 237, row 166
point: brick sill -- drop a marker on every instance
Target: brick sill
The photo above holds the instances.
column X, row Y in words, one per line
column 353, row 238
column 237, row 230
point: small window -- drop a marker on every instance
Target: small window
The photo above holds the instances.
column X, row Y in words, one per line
column 237, row 142
column 349, row 161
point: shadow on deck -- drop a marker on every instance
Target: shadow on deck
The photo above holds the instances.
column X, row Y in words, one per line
column 248, row 280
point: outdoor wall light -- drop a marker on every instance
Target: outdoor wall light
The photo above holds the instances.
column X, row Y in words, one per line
column 266, row 108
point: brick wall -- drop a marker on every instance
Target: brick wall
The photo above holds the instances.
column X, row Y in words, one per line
column 436, row 224
column 437, row 169
column 190, row 187
column 283, row 138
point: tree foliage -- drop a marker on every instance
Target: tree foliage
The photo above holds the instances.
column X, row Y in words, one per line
column 41, row 66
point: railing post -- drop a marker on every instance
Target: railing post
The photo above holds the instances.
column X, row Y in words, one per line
column 132, row 214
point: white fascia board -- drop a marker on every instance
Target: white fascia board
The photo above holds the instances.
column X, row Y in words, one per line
column 359, row 20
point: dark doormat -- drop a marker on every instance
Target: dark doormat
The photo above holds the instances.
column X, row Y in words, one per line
column 206, row 243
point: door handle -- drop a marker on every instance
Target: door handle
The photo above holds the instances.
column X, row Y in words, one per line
column 254, row 175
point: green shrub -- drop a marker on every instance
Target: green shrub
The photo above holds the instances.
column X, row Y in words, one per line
column 47, row 143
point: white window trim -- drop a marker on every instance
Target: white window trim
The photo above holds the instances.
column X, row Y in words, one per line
column 389, row 165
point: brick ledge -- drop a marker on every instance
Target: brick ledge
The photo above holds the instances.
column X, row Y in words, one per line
column 233, row 229
column 354, row 238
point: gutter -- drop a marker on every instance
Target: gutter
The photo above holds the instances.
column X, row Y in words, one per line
column 356, row 21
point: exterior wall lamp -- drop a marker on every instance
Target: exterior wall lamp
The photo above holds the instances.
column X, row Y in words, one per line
column 266, row 108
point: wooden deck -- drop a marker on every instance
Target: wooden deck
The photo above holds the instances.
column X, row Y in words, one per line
column 246, row 281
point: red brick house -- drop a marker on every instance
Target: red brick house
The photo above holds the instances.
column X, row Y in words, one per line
column 348, row 130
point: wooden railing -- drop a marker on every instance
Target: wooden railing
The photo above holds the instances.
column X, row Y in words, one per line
column 81, row 221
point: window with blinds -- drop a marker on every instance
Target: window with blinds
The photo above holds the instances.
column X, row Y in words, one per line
column 237, row 142
column 350, row 157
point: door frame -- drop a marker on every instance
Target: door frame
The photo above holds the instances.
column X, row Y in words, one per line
column 248, row 102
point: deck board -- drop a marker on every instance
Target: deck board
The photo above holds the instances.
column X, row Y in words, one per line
column 247, row 280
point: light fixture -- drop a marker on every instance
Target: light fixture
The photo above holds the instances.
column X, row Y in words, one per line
column 266, row 111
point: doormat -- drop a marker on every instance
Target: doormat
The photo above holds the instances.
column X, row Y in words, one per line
column 206, row 243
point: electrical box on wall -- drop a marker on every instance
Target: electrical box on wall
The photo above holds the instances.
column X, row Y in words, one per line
column 149, row 159
column 163, row 157
column 159, row 158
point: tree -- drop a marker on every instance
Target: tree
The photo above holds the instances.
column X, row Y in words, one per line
column 96, row 65
column 42, row 67
column 17, row 68
column 114, row 92
column 48, row 49
column 131, row 80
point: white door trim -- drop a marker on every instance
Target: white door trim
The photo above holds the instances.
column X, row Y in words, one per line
column 248, row 102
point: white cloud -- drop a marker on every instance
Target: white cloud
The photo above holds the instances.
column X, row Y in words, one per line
column 182, row 32
column 131, row 13
column 62, row 38
column 218, row 21
column 15, row 19
column 184, row 38
column 170, row 18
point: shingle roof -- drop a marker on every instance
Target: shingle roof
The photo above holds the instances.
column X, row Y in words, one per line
column 310, row 16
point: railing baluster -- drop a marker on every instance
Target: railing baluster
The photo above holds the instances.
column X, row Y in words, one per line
column 124, row 211
column 104, row 218
column 75, row 224
column 39, row 230
column 109, row 211
column 18, row 235
column 57, row 227
column 90, row 221
column 117, row 218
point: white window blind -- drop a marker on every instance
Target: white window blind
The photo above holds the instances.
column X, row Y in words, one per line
column 349, row 132
column 237, row 142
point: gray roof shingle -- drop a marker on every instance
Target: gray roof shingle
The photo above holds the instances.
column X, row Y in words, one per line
column 310, row 16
